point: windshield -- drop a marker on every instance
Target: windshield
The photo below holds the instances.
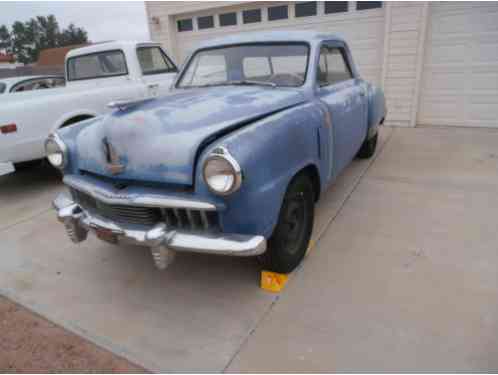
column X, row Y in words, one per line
column 275, row 64
column 2, row 87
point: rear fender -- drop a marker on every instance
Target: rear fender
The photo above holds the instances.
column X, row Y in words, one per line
column 376, row 109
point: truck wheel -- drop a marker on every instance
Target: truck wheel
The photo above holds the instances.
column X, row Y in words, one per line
column 368, row 147
column 289, row 241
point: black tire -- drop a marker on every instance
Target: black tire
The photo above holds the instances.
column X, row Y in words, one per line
column 28, row 164
column 368, row 147
column 288, row 244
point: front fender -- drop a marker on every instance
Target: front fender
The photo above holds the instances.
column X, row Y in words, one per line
column 270, row 152
column 69, row 135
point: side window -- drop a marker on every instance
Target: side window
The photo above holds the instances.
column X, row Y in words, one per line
column 332, row 67
column 97, row 65
column 153, row 61
column 256, row 67
column 321, row 76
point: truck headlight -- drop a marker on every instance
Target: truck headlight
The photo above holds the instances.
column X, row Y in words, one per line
column 222, row 173
column 56, row 151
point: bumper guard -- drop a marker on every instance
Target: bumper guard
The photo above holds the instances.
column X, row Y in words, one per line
column 162, row 241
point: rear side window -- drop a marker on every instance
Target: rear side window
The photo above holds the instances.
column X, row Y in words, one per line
column 38, row 84
column 97, row 65
column 153, row 61
column 256, row 67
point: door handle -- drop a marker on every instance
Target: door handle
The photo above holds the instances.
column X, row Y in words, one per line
column 362, row 93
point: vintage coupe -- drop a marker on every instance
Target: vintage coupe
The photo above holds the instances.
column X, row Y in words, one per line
column 232, row 160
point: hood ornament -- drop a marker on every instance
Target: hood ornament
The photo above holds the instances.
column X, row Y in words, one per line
column 113, row 165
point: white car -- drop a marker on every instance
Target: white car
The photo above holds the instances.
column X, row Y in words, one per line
column 28, row 83
column 95, row 76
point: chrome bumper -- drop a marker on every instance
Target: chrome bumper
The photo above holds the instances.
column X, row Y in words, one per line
column 79, row 222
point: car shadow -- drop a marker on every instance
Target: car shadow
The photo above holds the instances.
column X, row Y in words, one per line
column 27, row 192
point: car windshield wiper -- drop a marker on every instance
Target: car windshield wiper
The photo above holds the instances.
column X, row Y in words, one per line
column 251, row 82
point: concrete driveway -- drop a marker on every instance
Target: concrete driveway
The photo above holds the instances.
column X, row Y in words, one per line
column 403, row 276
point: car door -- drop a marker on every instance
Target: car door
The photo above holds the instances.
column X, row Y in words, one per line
column 158, row 71
column 345, row 99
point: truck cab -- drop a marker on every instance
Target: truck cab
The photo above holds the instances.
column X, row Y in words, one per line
column 95, row 76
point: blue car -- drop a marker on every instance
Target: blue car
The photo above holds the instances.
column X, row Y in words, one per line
column 232, row 160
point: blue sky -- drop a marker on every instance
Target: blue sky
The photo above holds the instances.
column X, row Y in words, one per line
column 102, row 20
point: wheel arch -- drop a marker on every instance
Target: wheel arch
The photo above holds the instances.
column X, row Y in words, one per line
column 269, row 165
column 73, row 117
column 311, row 170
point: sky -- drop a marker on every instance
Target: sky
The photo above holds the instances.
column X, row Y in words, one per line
column 102, row 20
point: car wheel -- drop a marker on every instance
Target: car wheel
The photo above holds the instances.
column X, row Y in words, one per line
column 289, row 241
column 28, row 164
column 368, row 147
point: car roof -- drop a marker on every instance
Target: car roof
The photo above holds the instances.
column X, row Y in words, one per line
column 107, row 46
column 311, row 37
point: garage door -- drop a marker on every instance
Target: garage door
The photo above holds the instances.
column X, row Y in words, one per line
column 460, row 72
column 363, row 28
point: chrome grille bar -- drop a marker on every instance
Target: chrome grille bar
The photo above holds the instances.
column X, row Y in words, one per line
column 190, row 219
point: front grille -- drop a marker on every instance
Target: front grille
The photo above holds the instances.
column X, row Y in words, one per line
column 175, row 218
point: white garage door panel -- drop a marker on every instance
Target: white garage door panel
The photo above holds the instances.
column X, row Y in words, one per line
column 364, row 31
column 460, row 73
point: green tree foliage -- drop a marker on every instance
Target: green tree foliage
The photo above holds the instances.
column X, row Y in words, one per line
column 26, row 39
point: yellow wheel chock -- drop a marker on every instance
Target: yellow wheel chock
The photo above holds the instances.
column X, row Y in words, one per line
column 275, row 282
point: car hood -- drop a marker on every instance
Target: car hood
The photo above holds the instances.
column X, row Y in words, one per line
column 159, row 140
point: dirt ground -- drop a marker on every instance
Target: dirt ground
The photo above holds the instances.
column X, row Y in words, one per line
column 29, row 343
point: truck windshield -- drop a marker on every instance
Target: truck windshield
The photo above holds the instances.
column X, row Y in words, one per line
column 2, row 87
column 96, row 65
column 275, row 64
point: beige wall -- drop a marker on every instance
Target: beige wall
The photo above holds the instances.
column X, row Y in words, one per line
column 403, row 56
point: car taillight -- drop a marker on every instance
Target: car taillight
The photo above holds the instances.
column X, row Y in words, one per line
column 10, row 128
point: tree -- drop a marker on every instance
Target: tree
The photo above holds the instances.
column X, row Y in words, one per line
column 72, row 35
column 5, row 41
column 27, row 39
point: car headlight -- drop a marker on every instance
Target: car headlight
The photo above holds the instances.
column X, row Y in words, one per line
column 222, row 173
column 56, row 151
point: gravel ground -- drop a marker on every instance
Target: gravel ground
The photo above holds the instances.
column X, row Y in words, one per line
column 29, row 343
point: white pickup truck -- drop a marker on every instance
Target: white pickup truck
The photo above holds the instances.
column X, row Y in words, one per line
column 95, row 76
